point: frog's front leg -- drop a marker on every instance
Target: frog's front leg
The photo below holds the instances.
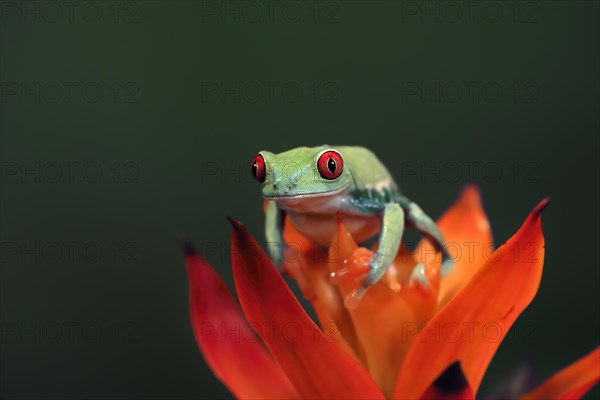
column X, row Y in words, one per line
column 274, row 232
column 390, row 235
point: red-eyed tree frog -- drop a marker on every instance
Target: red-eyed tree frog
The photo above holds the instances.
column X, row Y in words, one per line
column 314, row 186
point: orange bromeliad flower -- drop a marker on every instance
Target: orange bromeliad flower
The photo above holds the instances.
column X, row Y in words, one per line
column 404, row 339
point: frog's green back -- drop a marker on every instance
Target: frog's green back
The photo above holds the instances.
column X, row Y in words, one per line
column 368, row 172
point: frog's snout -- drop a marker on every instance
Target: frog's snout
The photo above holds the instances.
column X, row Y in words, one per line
column 283, row 187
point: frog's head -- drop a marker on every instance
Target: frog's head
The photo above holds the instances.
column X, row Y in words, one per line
column 301, row 172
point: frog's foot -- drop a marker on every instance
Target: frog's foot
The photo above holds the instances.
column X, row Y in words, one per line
column 372, row 268
column 378, row 266
column 351, row 277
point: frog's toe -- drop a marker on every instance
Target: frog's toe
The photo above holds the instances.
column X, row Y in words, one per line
column 419, row 276
column 376, row 271
column 352, row 298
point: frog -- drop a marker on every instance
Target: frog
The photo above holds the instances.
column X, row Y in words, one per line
column 317, row 186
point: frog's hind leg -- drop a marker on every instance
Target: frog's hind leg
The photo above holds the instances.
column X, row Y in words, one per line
column 422, row 222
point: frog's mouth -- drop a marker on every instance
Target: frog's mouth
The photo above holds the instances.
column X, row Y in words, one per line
column 294, row 198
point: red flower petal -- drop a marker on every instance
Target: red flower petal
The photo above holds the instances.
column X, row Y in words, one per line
column 386, row 320
column 572, row 382
column 306, row 263
column 316, row 366
column 468, row 238
column 230, row 347
column 471, row 326
column 465, row 226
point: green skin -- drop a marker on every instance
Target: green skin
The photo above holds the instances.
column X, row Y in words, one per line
column 365, row 196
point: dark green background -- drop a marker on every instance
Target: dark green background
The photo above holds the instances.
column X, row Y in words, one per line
column 367, row 50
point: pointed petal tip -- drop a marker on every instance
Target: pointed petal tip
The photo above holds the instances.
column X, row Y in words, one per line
column 537, row 211
column 470, row 196
column 266, row 298
column 511, row 295
column 236, row 224
column 472, row 188
column 244, row 366
column 186, row 245
column 572, row 382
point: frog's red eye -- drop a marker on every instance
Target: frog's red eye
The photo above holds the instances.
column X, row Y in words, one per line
column 330, row 165
column 257, row 167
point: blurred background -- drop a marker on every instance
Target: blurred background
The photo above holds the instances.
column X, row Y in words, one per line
column 123, row 123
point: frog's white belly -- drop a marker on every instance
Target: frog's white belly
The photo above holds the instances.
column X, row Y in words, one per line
column 316, row 217
column 322, row 227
